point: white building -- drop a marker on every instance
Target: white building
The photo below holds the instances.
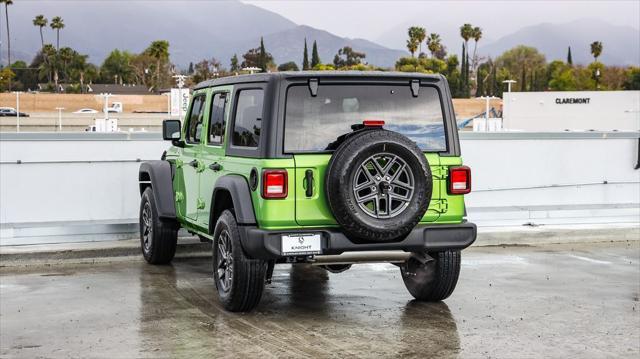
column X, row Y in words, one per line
column 572, row 110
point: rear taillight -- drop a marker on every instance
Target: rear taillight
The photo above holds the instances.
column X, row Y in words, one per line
column 274, row 184
column 459, row 180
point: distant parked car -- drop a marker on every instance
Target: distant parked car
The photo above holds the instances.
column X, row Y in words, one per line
column 86, row 110
column 11, row 112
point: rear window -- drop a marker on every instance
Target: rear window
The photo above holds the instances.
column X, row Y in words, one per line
column 313, row 123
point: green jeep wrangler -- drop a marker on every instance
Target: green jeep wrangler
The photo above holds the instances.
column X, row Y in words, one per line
column 327, row 168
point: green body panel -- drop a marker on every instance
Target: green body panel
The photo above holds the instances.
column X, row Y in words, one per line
column 193, row 187
column 315, row 211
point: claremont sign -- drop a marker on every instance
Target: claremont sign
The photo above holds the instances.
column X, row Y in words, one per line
column 573, row 100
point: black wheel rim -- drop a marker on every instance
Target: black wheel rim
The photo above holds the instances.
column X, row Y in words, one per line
column 147, row 226
column 383, row 185
column 224, row 261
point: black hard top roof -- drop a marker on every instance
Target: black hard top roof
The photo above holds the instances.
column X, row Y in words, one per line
column 264, row 77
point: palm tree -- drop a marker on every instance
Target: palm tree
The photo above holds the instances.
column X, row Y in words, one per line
column 434, row 43
column 66, row 56
column 6, row 13
column 50, row 54
column 421, row 34
column 158, row 50
column 596, row 49
column 476, row 34
column 57, row 24
column 416, row 36
column 40, row 21
column 466, row 32
column 412, row 46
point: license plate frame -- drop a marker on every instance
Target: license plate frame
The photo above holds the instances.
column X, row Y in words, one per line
column 293, row 244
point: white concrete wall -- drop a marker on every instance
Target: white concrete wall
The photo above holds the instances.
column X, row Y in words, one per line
column 605, row 111
column 91, row 179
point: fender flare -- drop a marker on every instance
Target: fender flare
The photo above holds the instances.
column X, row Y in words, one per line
column 159, row 175
column 238, row 188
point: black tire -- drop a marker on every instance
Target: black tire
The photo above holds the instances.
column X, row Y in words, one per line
column 158, row 238
column 435, row 280
column 241, row 291
column 342, row 171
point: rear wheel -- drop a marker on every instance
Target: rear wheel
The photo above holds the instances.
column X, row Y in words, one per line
column 158, row 238
column 435, row 280
column 239, row 280
column 378, row 186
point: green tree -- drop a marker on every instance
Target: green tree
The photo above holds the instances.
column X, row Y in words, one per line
column 633, row 80
column 235, row 65
column 421, row 64
column 262, row 58
column 206, row 69
column 40, row 21
column 305, row 57
column 561, row 76
column 117, row 67
column 57, row 24
column 252, row 58
column 315, row 57
column 569, row 58
column 288, row 66
column 347, row 57
column 434, row 44
column 596, row 50
column 6, row 75
column 519, row 58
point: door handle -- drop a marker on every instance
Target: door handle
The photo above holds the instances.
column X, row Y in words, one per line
column 308, row 178
column 215, row 167
column 193, row 163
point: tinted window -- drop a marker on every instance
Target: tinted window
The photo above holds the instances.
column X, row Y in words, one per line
column 217, row 124
column 313, row 123
column 196, row 116
column 248, row 119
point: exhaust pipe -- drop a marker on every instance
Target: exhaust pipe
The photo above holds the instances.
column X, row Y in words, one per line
column 362, row 257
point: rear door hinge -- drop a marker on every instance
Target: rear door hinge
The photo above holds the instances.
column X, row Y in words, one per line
column 179, row 197
column 439, row 172
column 200, row 203
column 439, row 205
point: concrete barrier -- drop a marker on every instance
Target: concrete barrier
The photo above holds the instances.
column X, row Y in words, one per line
column 58, row 187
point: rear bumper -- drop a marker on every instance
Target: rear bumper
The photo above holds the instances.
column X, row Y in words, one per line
column 266, row 244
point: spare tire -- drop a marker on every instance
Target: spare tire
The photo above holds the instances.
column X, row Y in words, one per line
column 378, row 185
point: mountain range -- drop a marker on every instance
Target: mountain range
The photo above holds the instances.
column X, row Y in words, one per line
column 204, row 29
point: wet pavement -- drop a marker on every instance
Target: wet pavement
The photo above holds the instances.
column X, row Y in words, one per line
column 578, row 300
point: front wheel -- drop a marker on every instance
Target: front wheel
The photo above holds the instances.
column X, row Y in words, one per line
column 239, row 280
column 434, row 280
column 158, row 238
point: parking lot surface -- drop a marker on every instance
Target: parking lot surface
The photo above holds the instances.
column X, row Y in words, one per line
column 578, row 300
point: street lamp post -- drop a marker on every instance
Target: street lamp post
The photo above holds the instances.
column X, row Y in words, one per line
column 509, row 82
column 168, row 94
column 60, row 118
column 105, row 109
column 17, row 110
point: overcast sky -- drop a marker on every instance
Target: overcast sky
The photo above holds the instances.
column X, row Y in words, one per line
column 372, row 19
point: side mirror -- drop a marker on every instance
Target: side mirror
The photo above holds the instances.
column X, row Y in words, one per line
column 171, row 130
